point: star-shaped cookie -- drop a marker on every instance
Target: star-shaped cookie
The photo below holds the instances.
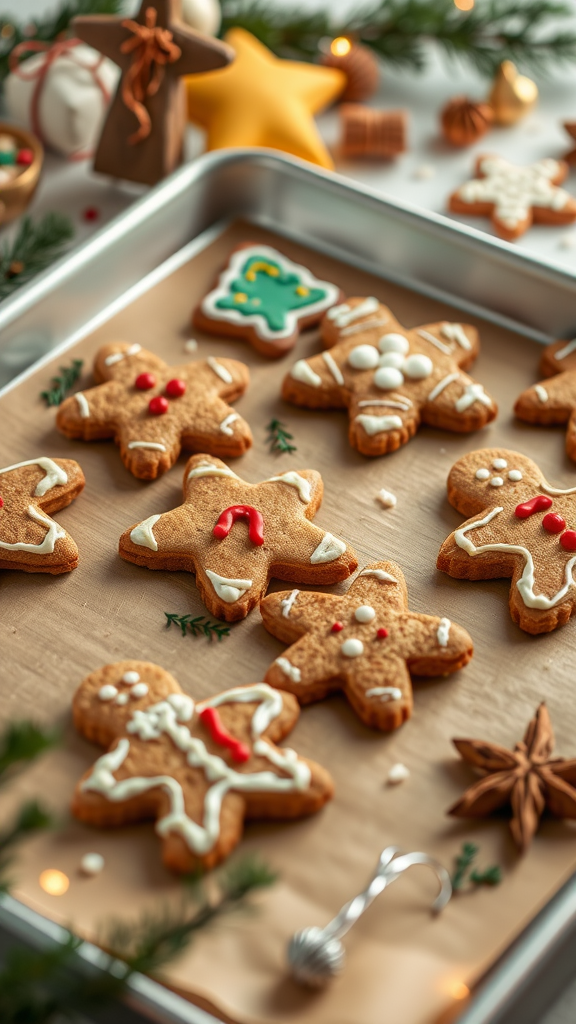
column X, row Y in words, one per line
column 153, row 410
column 553, row 402
column 527, row 778
column 30, row 492
column 236, row 536
column 260, row 100
column 521, row 527
column 199, row 769
column 391, row 379
column 366, row 643
column 516, row 197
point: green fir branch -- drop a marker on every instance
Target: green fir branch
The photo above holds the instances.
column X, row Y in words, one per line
column 491, row 876
column 529, row 32
column 22, row 742
column 36, row 245
column 62, row 384
column 464, row 875
column 198, row 626
column 279, row 439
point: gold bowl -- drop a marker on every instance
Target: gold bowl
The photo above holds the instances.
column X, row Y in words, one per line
column 16, row 194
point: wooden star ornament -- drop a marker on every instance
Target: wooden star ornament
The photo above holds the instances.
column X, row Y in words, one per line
column 143, row 133
column 527, row 778
column 261, row 100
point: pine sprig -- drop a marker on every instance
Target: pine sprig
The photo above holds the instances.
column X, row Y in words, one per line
column 62, row 384
column 279, row 439
column 463, row 874
column 492, row 31
column 198, row 626
column 36, row 245
column 20, row 743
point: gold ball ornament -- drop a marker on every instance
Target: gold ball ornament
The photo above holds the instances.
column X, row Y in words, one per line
column 359, row 65
column 464, row 122
column 513, row 95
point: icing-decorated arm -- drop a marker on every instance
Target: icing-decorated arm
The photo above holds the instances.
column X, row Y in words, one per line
column 302, row 672
column 380, row 691
column 289, row 614
column 381, row 423
column 460, row 341
column 218, row 427
column 436, row 645
column 550, row 402
column 327, row 558
column 456, row 402
column 317, row 383
column 86, row 415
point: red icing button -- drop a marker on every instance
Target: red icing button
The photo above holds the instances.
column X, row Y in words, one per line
column 538, row 504
column 337, row 627
column 25, row 157
column 145, row 381
column 229, row 516
column 382, row 633
column 175, row 388
column 1, row 502
column 91, row 213
column 158, row 405
column 568, row 540
column 554, row 523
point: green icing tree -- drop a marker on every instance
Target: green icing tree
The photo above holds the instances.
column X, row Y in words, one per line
column 264, row 288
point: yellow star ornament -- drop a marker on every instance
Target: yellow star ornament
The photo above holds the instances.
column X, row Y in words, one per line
column 260, row 100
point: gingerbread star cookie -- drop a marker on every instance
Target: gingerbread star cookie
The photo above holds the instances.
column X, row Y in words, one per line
column 521, row 527
column 516, row 197
column 553, row 402
column 391, row 379
column 199, row 769
column 153, row 410
column 236, row 536
column 366, row 643
column 29, row 493
column 266, row 298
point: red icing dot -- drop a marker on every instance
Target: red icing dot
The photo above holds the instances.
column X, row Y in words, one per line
column 337, row 627
column 1, row 502
column 538, row 504
column 145, row 381
column 568, row 540
column 91, row 213
column 158, row 405
column 175, row 388
column 382, row 633
column 554, row 523
column 25, row 157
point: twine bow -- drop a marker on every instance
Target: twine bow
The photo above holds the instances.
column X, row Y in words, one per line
column 52, row 52
column 152, row 48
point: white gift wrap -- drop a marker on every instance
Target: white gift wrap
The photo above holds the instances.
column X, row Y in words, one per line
column 203, row 15
column 72, row 105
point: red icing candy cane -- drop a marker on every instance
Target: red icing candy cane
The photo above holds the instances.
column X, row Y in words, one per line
column 234, row 512
column 538, row 504
column 211, row 719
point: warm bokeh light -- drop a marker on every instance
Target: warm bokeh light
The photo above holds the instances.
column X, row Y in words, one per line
column 340, row 46
column 458, row 990
column 54, row 882
column 464, row 5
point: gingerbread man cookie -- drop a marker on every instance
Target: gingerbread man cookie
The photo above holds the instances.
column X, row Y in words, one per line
column 389, row 378
column 553, row 402
column 366, row 643
column 264, row 297
column 516, row 197
column 29, row 493
column 521, row 527
column 199, row 769
column 236, row 536
column 153, row 410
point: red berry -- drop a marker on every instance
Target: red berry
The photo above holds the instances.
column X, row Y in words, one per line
column 337, row 627
column 568, row 540
column 25, row 157
column 175, row 388
column 554, row 523
column 91, row 213
column 158, row 405
column 382, row 633
column 145, row 381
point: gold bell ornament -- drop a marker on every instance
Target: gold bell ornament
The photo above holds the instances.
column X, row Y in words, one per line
column 513, row 95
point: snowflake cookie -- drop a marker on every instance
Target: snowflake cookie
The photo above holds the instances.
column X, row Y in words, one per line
column 198, row 768
column 553, row 402
column 516, row 197
column 521, row 527
column 153, row 410
column 236, row 536
column 366, row 643
column 264, row 297
column 391, row 379
column 29, row 493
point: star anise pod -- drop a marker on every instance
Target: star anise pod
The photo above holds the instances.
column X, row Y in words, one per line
column 527, row 778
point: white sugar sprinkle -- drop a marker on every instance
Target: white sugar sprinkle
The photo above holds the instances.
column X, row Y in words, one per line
column 567, row 241
column 398, row 773
column 424, row 172
column 92, row 863
column 387, row 499
column 191, row 345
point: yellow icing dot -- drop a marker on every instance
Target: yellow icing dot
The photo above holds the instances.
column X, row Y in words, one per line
column 265, row 268
column 240, row 297
column 301, row 290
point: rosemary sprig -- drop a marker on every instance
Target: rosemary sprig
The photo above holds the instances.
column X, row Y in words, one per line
column 279, row 439
column 36, row 245
column 60, row 385
column 491, row 876
column 199, row 626
column 463, row 875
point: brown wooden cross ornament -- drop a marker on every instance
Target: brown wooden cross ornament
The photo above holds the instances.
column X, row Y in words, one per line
column 143, row 133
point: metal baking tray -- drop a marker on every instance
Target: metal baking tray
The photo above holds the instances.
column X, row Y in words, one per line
column 424, row 251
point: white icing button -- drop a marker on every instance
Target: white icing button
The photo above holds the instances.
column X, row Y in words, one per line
column 515, row 475
column 394, row 343
column 496, row 481
column 395, row 359
column 352, row 648
column 122, row 698
column 107, row 692
column 482, row 474
column 418, row 367
column 365, row 613
column 387, row 378
column 363, row 357
column 92, row 863
column 398, row 773
column 130, row 678
column 140, row 690
column 499, row 464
